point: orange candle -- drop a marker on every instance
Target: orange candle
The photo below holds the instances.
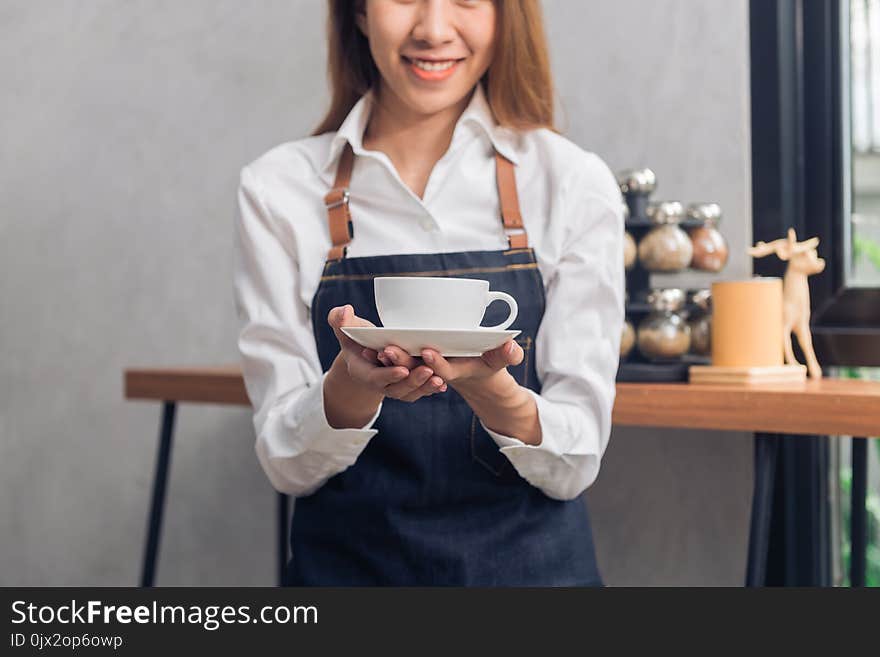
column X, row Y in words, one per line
column 747, row 323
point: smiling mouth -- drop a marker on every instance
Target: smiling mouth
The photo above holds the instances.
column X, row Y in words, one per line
column 431, row 64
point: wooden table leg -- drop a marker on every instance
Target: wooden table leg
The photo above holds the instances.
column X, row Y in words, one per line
column 858, row 513
column 766, row 450
column 283, row 535
column 157, row 505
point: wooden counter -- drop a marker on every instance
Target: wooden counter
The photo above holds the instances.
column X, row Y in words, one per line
column 830, row 407
column 827, row 407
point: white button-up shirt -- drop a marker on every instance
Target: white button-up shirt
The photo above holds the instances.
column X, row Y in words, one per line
column 573, row 213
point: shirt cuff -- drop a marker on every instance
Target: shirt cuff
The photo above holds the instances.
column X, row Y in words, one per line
column 567, row 460
column 551, row 432
column 343, row 445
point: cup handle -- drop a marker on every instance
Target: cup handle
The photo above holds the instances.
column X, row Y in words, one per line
column 510, row 301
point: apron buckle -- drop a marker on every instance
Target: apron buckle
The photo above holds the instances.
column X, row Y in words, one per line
column 337, row 197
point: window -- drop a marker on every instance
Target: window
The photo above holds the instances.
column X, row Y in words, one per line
column 816, row 168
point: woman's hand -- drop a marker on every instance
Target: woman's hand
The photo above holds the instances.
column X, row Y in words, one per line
column 461, row 371
column 502, row 404
column 408, row 382
column 486, row 386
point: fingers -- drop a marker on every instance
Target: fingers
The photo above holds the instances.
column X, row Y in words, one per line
column 336, row 318
column 370, row 355
column 373, row 356
column 433, row 385
column 440, row 365
column 396, row 381
column 402, row 377
column 383, row 377
column 340, row 316
column 406, row 386
column 398, row 356
column 370, row 373
column 344, row 316
column 456, row 369
column 459, row 369
column 510, row 353
column 416, row 379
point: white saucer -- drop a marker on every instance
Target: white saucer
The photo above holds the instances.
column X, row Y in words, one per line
column 449, row 342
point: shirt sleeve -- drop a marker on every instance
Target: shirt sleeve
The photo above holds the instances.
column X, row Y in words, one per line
column 578, row 342
column 295, row 445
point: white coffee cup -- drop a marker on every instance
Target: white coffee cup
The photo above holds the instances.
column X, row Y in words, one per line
column 428, row 302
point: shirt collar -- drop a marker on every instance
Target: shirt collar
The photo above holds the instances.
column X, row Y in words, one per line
column 478, row 113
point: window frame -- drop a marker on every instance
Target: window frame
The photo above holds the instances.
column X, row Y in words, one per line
column 801, row 162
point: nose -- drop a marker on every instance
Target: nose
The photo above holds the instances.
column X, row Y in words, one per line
column 434, row 25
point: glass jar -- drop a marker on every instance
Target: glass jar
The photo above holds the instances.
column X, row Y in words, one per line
column 630, row 251
column 710, row 247
column 700, row 323
column 666, row 247
column 664, row 334
column 627, row 339
column 637, row 185
column 629, row 244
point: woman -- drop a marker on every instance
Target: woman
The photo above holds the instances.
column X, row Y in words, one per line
column 438, row 157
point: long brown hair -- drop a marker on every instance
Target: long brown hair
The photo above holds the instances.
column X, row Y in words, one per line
column 518, row 83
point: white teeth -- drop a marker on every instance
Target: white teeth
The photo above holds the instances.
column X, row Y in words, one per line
column 433, row 66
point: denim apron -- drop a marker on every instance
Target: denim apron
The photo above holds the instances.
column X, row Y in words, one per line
column 431, row 500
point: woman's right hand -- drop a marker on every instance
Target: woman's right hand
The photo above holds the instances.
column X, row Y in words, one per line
column 364, row 367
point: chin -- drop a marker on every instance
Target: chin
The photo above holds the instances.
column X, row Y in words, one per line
column 425, row 101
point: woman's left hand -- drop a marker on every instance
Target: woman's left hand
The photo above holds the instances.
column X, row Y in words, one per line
column 484, row 383
column 461, row 369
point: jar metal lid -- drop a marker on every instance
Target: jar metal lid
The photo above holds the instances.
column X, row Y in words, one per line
column 637, row 181
column 665, row 212
column 702, row 298
column 704, row 212
column 670, row 298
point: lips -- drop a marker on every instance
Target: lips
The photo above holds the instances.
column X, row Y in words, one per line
column 431, row 70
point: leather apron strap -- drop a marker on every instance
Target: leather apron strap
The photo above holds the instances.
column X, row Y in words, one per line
column 336, row 200
column 511, row 217
column 339, row 215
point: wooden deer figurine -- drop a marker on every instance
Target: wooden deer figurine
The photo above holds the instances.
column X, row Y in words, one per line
column 802, row 262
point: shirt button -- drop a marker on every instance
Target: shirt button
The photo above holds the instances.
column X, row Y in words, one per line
column 427, row 224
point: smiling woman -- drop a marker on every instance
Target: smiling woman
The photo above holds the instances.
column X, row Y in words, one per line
column 429, row 54
column 516, row 76
column 417, row 465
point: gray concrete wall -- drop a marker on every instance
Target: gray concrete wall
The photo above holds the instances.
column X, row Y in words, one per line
column 124, row 127
column 665, row 84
